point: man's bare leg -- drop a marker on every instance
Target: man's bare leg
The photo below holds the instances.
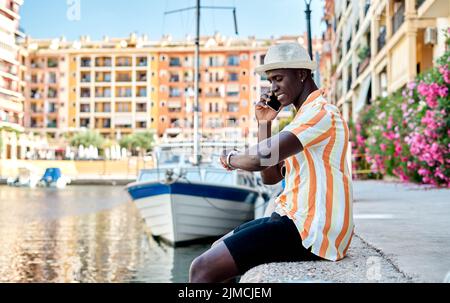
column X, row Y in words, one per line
column 214, row 265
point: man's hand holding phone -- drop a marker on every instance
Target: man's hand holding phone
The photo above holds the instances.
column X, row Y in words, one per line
column 268, row 107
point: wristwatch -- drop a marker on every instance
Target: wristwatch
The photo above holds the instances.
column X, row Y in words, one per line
column 231, row 153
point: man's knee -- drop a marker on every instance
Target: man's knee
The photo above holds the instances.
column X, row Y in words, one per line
column 199, row 270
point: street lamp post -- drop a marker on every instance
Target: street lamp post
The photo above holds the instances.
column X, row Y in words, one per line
column 308, row 26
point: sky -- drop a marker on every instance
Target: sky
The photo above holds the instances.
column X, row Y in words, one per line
column 118, row 18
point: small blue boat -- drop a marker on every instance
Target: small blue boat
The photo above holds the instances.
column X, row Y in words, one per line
column 53, row 178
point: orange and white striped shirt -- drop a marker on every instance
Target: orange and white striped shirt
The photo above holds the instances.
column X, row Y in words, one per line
column 318, row 184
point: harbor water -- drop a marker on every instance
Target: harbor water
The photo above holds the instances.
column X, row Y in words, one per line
column 82, row 234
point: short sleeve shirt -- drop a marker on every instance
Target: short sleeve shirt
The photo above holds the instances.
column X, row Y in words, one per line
column 318, row 187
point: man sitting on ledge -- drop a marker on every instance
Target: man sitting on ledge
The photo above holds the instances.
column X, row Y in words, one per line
column 312, row 218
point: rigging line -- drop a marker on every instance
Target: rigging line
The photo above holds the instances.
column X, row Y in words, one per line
column 183, row 25
column 235, row 18
column 214, row 18
column 163, row 29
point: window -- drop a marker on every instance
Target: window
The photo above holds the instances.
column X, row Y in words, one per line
column 233, row 60
column 52, row 93
column 174, row 92
column 233, row 77
column 174, row 61
column 141, row 61
column 52, row 62
column 52, row 77
column 85, row 62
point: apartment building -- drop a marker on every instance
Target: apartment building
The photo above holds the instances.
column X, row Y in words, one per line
column 227, row 87
column 379, row 46
column 102, row 85
column 11, row 85
column 47, row 89
column 118, row 86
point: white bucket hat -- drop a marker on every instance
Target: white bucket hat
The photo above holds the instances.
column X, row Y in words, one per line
column 286, row 55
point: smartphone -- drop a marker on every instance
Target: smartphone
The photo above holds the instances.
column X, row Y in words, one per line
column 274, row 103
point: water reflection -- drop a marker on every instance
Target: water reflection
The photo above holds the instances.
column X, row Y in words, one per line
column 82, row 234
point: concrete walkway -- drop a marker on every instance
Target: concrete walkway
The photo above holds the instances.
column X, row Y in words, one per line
column 402, row 235
column 409, row 224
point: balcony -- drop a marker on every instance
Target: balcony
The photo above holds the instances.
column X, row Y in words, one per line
column 419, row 3
column 142, row 61
column 141, row 76
column 141, row 92
column 34, row 64
column 85, row 80
column 123, row 107
column 103, row 62
column 85, row 108
column 51, row 124
column 174, row 62
column 52, row 63
column 85, row 93
column 349, row 43
column 123, row 62
column 233, row 77
column 103, row 93
column 141, row 124
column 363, row 65
column 213, row 95
column 85, row 62
column 233, row 61
column 103, row 77
column 52, row 94
column 102, row 108
column 174, row 78
column 232, row 94
column 231, row 123
column 52, row 108
column 364, row 57
column 398, row 18
column 233, row 108
column 120, row 77
column 124, row 95
column 366, row 7
column 381, row 40
column 433, row 9
column 174, row 92
column 141, row 107
column 35, row 94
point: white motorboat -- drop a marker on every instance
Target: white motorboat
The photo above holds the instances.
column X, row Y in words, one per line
column 27, row 177
column 182, row 203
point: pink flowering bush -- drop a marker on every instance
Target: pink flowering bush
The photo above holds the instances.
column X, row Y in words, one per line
column 358, row 135
column 408, row 134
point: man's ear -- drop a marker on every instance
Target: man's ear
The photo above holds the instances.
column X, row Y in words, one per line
column 299, row 74
column 302, row 75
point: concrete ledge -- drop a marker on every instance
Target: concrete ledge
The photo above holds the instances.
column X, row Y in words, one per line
column 363, row 264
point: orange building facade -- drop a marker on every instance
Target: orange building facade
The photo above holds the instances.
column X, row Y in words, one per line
column 119, row 86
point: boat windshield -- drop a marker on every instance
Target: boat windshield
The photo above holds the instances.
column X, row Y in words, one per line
column 149, row 176
column 219, row 177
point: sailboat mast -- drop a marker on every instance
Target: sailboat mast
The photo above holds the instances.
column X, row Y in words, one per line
column 196, row 135
column 196, row 85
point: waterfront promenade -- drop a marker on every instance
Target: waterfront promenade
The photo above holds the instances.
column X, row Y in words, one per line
column 81, row 171
column 402, row 235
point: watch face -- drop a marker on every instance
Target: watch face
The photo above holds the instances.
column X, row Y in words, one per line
column 274, row 103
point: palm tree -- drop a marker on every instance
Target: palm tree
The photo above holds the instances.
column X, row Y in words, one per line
column 138, row 143
column 88, row 138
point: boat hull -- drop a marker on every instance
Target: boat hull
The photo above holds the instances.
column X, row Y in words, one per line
column 182, row 213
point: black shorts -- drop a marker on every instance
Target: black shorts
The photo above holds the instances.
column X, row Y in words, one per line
column 266, row 240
